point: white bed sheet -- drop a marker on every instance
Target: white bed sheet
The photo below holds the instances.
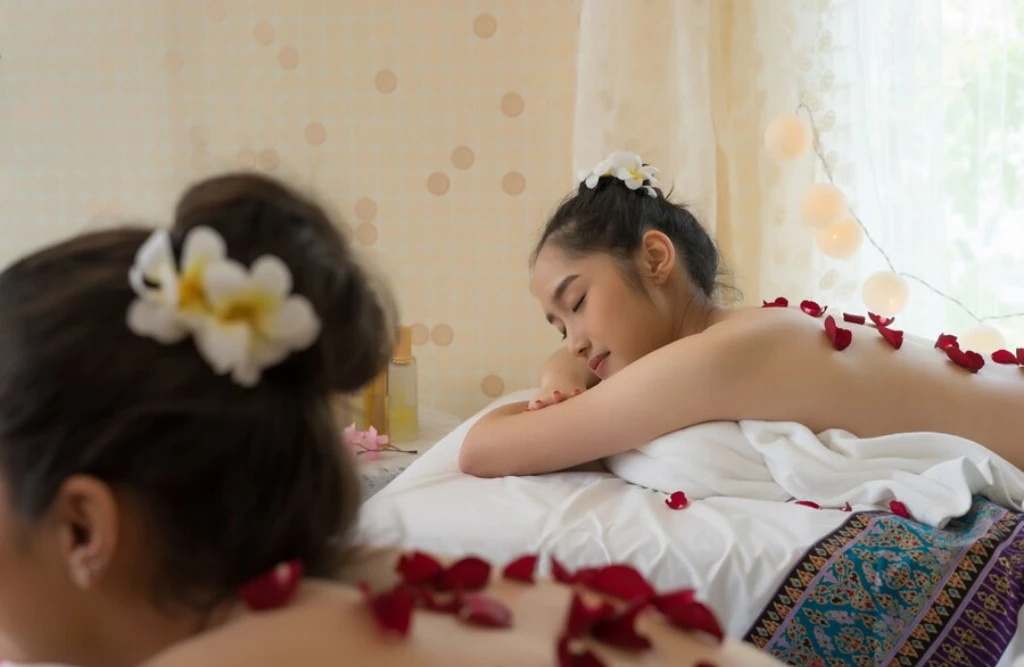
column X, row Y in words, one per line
column 734, row 552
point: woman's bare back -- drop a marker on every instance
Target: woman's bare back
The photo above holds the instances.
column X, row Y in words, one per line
column 872, row 389
column 329, row 624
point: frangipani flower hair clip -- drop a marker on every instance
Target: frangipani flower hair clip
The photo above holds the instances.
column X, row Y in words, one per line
column 243, row 320
column 625, row 166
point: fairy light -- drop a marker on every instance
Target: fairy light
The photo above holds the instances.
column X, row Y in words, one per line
column 780, row 138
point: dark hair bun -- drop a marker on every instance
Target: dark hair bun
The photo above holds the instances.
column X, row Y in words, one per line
column 257, row 216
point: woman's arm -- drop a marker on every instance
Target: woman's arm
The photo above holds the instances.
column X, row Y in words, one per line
column 736, row 373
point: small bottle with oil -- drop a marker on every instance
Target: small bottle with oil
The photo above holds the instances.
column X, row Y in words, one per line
column 403, row 393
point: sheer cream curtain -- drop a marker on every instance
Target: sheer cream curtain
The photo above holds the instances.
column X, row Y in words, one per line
column 691, row 85
column 925, row 133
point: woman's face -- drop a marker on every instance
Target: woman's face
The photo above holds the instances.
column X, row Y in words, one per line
column 606, row 322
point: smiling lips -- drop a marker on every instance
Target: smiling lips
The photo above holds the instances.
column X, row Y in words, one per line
column 596, row 363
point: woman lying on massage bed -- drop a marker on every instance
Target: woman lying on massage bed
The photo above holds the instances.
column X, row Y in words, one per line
column 628, row 278
column 169, row 465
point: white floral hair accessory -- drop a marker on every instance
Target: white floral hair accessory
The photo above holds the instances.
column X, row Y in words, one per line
column 242, row 320
column 625, row 166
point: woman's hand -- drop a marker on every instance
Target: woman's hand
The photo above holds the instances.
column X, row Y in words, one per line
column 556, row 392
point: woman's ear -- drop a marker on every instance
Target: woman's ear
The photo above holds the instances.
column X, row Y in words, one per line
column 87, row 516
column 657, row 256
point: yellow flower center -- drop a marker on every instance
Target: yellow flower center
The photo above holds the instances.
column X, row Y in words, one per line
column 636, row 174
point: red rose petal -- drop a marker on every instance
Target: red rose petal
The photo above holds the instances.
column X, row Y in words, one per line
column 780, row 302
column 521, row 569
column 560, row 573
column 855, row 319
column 812, row 308
column 892, row 336
column 1020, row 356
column 847, row 508
column 685, row 612
column 880, row 321
column 621, row 581
column 705, row 663
column 946, row 341
column 274, row 589
column 392, row 609
column 677, row 501
column 583, row 617
column 899, row 509
column 968, row 359
column 1005, row 357
column 485, row 611
column 572, row 653
column 418, row 568
column 840, row 337
column 469, row 574
column 620, row 629
column 808, row 503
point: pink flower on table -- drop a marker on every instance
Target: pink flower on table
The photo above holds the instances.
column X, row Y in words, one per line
column 367, row 442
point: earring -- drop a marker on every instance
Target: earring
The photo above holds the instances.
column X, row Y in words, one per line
column 85, row 572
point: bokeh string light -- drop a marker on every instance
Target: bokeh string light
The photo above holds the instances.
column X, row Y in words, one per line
column 840, row 233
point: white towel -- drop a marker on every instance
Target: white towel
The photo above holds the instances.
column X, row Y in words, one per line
column 934, row 475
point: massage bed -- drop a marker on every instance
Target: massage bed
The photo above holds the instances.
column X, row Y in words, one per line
column 842, row 587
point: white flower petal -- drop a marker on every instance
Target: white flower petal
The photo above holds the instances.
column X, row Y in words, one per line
column 625, row 160
column 651, row 191
column 202, row 245
column 224, row 346
column 138, row 282
column 633, row 183
column 151, row 320
column 582, row 175
column 223, row 282
column 271, row 274
column 294, row 323
column 268, row 353
column 154, row 253
column 246, row 375
column 591, row 181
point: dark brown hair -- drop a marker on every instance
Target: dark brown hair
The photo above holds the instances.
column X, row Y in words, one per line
column 232, row 480
column 610, row 218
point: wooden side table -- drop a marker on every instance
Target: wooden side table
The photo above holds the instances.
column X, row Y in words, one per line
column 376, row 474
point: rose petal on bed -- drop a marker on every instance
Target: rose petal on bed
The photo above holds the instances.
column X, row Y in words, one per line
column 1020, row 356
column 892, row 336
column 853, row 319
column 468, row 574
column 418, row 568
column 274, row 589
column 392, row 609
column 808, row 503
column 677, row 501
column 521, row 569
column 582, row 617
column 946, row 341
column 846, row 507
column 573, row 653
column 968, row 359
column 880, row 321
column 441, row 603
column 812, row 308
column 684, row 611
column 1005, row 357
column 561, row 573
column 779, row 302
column 619, row 580
column 619, row 629
column 899, row 509
column 840, row 337
column 485, row 612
